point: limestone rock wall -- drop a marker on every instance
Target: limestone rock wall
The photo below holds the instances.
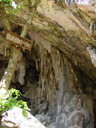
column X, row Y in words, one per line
column 54, row 83
column 55, row 89
column 59, row 90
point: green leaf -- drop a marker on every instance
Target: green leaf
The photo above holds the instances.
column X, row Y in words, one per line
column 24, row 112
column 11, row 102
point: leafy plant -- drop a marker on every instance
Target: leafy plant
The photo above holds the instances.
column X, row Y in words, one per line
column 11, row 102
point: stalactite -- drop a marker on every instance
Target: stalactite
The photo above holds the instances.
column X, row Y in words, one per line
column 61, row 88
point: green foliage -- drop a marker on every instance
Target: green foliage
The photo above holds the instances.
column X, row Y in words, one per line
column 7, row 3
column 13, row 6
column 11, row 102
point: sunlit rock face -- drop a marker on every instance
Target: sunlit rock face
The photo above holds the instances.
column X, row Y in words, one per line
column 92, row 53
column 20, row 70
column 15, row 119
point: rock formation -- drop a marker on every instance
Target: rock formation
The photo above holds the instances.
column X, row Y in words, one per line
column 60, row 73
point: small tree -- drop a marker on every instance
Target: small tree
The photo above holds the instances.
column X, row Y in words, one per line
column 6, row 7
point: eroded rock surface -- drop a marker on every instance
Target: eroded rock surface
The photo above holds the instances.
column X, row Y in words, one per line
column 15, row 119
column 60, row 77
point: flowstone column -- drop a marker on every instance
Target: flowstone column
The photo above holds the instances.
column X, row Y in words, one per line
column 74, row 108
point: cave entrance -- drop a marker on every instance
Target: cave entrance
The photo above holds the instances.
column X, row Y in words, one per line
column 32, row 74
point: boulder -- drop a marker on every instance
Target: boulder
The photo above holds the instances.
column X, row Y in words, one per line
column 15, row 119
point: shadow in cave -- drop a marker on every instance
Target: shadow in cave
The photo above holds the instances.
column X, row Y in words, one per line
column 32, row 74
column 31, row 83
column 94, row 112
